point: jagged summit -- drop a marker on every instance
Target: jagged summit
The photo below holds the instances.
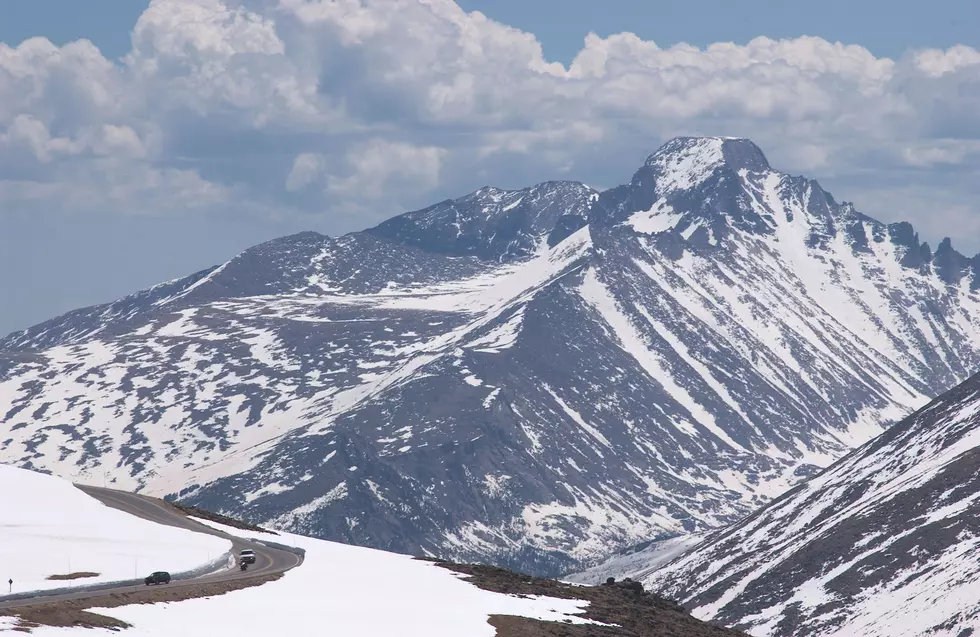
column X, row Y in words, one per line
column 690, row 183
column 704, row 188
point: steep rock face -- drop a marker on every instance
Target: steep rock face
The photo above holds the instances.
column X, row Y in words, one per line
column 883, row 542
column 534, row 377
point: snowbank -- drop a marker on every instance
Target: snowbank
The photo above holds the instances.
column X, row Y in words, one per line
column 341, row 590
column 48, row 527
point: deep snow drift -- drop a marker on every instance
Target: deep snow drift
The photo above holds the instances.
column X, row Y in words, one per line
column 340, row 590
column 48, row 527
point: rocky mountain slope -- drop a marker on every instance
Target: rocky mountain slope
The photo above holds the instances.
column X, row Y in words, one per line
column 640, row 561
column 883, row 543
column 533, row 377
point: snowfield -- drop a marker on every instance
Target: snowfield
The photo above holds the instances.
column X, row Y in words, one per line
column 48, row 527
column 340, row 590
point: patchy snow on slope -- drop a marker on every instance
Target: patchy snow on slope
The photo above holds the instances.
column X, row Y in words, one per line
column 49, row 527
column 637, row 563
column 343, row 590
column 489, row 290
column 597, row 294
column 502, row 337
column 881, row 544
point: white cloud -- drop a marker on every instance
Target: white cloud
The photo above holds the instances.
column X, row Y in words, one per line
column 307, row 168
column 28, row 135
column 931, row 154
column 937, row 63
column 313, row 106
column 116, row 140
column 376, row 167
column 116, row 184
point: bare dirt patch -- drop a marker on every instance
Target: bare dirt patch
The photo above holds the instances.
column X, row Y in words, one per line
column 632, row 611
column 74, row 613
column 71, row 576
column 54, row 615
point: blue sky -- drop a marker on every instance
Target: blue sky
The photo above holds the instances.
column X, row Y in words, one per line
column 236, row 121
column 886, row 28
column 105, row 22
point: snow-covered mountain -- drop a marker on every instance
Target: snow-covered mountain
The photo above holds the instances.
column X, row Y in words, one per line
column 884, row 543
column 534, row 377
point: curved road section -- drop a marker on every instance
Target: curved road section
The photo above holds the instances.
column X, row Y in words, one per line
column 270, row 558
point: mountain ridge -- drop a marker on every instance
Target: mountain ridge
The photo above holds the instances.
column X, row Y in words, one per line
column 591, row 371
column 953, row 265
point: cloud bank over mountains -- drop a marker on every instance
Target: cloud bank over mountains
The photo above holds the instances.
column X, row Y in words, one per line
column 347, row 111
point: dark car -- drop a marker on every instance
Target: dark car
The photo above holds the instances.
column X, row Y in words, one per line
column 247, row 556
column 160, row 577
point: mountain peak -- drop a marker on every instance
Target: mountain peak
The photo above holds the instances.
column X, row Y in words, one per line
column 692, row 152
column 686, row 162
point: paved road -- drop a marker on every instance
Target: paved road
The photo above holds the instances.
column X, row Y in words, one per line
column 268, row 560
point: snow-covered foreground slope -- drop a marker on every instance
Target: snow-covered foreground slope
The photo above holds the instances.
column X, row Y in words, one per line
column 341, row 590
column 884, row 543
column 48, row 527
column 536, row 377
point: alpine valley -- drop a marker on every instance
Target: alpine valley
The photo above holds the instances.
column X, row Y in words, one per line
column 535, row 378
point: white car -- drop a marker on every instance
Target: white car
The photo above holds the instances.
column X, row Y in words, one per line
column 247, row 556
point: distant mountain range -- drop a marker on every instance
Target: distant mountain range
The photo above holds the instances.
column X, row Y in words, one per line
column 535, row 377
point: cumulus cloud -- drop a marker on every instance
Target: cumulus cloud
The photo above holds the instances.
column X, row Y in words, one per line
column 307, row 168
column 379, row 165
column 316, row 106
